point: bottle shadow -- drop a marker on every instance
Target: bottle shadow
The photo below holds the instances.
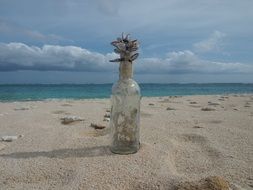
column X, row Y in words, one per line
column 63, row 153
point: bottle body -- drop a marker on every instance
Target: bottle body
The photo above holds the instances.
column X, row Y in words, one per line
column 125, row 116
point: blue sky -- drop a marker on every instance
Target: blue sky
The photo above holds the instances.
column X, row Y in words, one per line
column 68, row 41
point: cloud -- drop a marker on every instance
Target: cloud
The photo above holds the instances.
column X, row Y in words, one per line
column 183, row 62
column 213, row 43
column 19, row 56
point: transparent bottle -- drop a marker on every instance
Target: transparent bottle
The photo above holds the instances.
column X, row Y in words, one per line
column 125, row 112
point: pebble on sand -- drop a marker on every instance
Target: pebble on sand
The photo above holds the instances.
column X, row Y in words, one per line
column 70, row 119
column 169, row 108
column 207, row 109
column 197, row 127
column 97, row 126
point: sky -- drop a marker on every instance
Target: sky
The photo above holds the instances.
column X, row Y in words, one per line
column 181, row 41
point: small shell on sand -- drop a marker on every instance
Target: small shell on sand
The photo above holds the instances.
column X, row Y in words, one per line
column 106, row 119
column 9, row 138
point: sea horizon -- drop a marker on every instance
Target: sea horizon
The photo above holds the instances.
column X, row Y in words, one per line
column 37, row 92
column 113, row 83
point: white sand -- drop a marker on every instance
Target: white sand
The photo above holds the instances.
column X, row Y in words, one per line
column 176, row 145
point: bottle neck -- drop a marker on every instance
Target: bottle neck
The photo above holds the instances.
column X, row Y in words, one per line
column 125, row 70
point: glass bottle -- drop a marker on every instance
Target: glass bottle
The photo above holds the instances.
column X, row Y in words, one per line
column 125, row 111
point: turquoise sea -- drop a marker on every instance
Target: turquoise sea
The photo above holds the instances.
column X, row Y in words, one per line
column 27, row 92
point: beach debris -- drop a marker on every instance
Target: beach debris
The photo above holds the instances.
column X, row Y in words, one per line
column 106, row 119
column 10, row 138
column 207, row 109
column 107, row 115
column 70, row 119
column 21, row 108
column 193, row 102
column 97, row 126
column 151, row 104
column 209, row 183
column 169, row 108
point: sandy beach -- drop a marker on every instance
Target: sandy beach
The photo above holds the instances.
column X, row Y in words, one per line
column 183, row 139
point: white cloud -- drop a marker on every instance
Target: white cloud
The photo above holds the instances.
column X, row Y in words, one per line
column 213, row 43
column 18, row 56
column 188, row 62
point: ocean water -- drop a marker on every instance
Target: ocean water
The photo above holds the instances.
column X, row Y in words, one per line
column 85, row 91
